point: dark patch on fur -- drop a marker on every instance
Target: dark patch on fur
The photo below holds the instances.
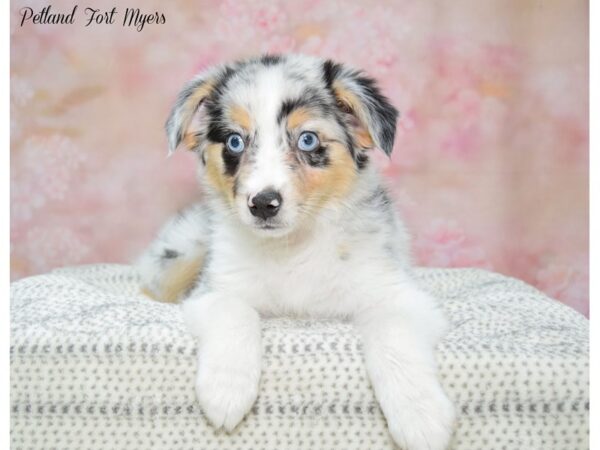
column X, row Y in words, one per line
column 378, row 197
column 270, row 60
column 381, row 111
column 188, row 90
column 317, row 158
column 348, row 137
column 311, row 98
column 331, row 71
column 362, row 160
column 217, row 128
column 382, row 114
column 287, row 107
column 170, row 254
column 221, row 82
column 231, row 161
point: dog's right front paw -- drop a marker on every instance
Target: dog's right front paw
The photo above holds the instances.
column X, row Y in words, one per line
column 229, row 357
column 226, row 395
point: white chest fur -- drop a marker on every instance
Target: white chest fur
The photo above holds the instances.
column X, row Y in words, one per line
column 321, row 272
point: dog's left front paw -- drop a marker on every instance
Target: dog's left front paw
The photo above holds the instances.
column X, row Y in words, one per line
column 226, row 396
column 421, row 422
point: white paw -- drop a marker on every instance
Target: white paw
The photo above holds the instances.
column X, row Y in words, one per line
column 421, row 419
column 229, row 357
column 226, row 395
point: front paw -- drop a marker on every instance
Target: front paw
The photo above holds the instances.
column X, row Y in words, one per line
column 226, row 395
column 420, row 416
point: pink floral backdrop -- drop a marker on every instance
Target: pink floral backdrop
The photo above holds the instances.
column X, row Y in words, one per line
column 490, row 167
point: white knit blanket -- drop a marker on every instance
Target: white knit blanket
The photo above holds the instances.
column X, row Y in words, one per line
column 95, row 365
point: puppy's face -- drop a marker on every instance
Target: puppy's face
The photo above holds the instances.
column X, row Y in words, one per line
column 280, row 138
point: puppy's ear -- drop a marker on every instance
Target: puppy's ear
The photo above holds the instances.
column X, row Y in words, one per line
column 372, row 116
column 188, row 101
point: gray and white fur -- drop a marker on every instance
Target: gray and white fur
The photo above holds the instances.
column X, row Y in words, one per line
column 295, row 221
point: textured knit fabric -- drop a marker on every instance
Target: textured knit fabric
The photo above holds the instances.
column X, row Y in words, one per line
column 96, row 365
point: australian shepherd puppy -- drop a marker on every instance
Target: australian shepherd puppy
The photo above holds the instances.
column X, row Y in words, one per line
column 295, row 221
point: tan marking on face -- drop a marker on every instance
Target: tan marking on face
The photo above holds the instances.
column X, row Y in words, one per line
column 354, row 106
column 241, row 116
column 176, row 281
column 320, row 185
column 215, row 171
column 298, row 116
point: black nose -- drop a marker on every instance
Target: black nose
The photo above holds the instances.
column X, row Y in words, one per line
column 265, row 204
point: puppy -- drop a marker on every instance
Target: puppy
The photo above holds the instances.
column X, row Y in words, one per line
column 295, row 221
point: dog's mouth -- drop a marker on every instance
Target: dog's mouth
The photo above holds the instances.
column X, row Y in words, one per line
column 276, row 225
column 270, row 229
column 269, row 226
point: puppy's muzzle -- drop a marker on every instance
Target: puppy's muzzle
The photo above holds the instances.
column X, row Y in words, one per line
column 265, row 204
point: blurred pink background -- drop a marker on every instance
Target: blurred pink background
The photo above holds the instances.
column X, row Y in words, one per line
column 490, row 167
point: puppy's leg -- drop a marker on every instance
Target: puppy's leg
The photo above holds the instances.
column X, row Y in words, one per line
column 399, row 334
column 172, row 264
column 229, row 356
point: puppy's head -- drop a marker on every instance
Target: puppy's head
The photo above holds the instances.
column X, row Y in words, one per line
column 281, row 137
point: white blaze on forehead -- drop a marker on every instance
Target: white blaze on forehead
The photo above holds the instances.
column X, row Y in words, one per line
column 269, row 169
column 267, row 99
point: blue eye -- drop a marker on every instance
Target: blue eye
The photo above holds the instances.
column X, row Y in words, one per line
column 308, row 141
column 235, row 143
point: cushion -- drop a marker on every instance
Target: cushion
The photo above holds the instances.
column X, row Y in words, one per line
column 94, row 365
